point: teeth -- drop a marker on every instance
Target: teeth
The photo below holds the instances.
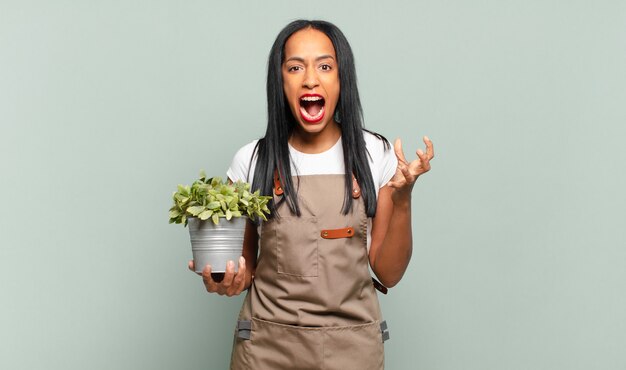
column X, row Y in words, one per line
column 311, row 98
column 310, row 117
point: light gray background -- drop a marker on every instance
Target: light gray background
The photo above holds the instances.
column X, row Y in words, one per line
column 519, row 259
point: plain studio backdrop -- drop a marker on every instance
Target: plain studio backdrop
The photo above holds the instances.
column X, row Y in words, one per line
column 519, row 255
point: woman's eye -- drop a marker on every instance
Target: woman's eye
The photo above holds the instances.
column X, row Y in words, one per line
column 293, row 68
column 325, row 67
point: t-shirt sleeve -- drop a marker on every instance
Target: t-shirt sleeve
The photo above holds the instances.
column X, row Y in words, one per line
column 388, row 164
column 383, row 161
column 240, row 166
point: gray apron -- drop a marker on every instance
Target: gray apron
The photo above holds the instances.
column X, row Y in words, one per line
column 312, row 304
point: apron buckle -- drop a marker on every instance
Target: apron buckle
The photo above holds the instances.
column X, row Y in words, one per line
column 384, row 331
column 244, row 328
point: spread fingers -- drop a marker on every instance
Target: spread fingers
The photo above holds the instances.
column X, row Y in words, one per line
column 430, row 150
column 397, row 148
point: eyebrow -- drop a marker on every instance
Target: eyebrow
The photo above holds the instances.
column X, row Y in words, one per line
column 300, row 59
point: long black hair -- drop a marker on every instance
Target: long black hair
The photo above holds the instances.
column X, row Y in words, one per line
column 273, row 149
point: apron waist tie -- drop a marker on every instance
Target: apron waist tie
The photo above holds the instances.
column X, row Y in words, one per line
column 380, row 287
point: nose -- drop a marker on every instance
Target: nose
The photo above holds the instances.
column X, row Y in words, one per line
column 310, row 79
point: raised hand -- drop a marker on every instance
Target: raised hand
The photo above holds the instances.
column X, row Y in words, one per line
column 407, row 173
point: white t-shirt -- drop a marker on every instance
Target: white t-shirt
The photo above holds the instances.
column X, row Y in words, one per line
column 382, row 163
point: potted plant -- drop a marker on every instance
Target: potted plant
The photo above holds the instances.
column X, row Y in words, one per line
column 216, row 213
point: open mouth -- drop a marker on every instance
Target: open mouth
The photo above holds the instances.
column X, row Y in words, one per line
column 312, row 107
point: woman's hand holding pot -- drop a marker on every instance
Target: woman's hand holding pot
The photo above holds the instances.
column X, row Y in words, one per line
column 233, row 282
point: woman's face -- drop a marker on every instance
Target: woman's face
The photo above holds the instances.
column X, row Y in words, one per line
column 311, row 79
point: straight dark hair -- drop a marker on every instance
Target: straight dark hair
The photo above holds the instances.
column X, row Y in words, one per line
column 273, row 149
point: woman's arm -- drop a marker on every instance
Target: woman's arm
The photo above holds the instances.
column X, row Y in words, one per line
column 392, row 239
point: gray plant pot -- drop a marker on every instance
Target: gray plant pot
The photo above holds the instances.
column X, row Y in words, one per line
column 216, row 244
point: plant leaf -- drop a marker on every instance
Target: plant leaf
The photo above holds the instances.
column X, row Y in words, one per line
column 196, row 210
column 205, row 215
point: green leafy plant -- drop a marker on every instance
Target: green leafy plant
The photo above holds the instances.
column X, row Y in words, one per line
column 213, row 198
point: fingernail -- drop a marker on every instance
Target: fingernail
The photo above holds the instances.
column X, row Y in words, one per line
column 242, row 261
column 231, row 264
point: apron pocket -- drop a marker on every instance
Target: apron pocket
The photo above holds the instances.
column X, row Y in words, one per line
column 354, row 347
column 277, row 346
column 296, row 246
